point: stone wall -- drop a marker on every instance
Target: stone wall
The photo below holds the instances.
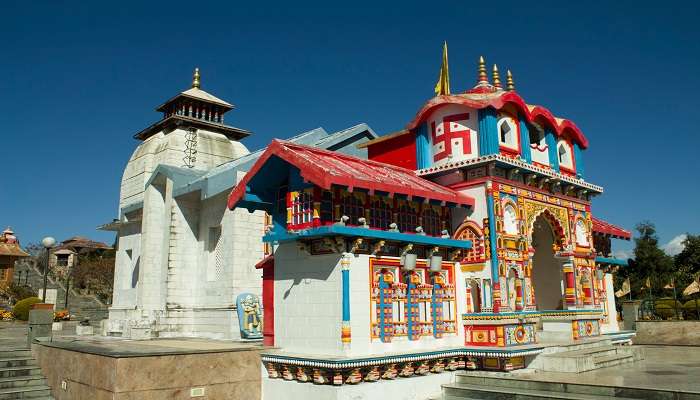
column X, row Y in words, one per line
column 222, row 375
column 668, row 332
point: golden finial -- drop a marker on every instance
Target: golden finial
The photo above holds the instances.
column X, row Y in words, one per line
column 496, row 77
column 483, row 78
column 510, row 85
column 195, row 79
column 442, row 87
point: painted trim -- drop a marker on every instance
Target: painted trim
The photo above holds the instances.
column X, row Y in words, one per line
column 341, row 230
column 525, row 145
column 551, row 141
column 488, row 132
column 578, row 161
column 611, row 260
column 423, row 151
column 492, row 234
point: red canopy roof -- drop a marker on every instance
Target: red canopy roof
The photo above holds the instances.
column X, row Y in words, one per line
column 606, row 228
column 325, row 168
column 498, row 100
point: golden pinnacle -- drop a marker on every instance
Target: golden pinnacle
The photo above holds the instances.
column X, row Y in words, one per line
column 196, row 79
column 496, row 77
column 483, row 77
column 510, row 84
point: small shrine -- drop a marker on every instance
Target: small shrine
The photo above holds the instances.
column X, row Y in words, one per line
column 10, row 252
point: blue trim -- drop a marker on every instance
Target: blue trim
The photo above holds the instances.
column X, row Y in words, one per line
column 525, row 151
column 382, row 285
column 433, row 310
column 610, row 260
column 553, row 151
column 409, row 311
column 341, row 230
column 492, row 240
column 423, row 156
column 578, row 157
column 488, row 135
column 345, row 276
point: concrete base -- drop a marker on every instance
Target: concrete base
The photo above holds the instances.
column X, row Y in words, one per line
column 40, row 324
column 685, row 333
column 81, row 330
column 413, row 388
column 154, row 369
column 57, row 326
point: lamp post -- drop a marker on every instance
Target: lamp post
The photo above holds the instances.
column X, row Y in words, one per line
column 48, row 243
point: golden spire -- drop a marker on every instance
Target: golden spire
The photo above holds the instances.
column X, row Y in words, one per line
column 442, row 87
column 496, row 77
column 510, row 85
column 195, row 79
column 483, row 78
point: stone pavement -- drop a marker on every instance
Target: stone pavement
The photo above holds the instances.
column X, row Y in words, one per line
column 674, row 368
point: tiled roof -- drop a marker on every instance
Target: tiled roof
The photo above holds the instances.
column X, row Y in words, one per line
column 325, row 168
column 606, row 228
column 12, row 250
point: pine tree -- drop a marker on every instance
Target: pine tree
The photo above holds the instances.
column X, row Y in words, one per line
column 651, row 264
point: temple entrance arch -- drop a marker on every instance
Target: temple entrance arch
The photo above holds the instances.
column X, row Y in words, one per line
column 547, row 276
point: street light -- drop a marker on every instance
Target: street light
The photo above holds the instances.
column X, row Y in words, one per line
column 48, row 243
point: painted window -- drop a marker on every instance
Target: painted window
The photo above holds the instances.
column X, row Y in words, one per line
column 510, row 220
column 407, row 218
column 380, row 216
column 564, row 154
column 581, row 233
column 536, row 137
column 215, row 264
column 326, row 206
column 507, row 133
column 302, row 208
column 476, row 253
column 431, row 221
column 353, row 207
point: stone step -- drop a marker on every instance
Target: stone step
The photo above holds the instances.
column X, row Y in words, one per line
column 16, row 362
column 612, row 360
column 505, row 382
column 28, row 392
column 12, row 382
column 9, row 372
column 461, row 391
column 590, row 351
column 17, row 353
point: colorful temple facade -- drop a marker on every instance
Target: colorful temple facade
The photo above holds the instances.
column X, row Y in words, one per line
column 10, row 252
column 465, row 240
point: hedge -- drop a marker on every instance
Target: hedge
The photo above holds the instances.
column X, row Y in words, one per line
column 21, row 309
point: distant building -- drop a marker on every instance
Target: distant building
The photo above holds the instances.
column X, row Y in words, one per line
column 66, row 254
column 10, row 252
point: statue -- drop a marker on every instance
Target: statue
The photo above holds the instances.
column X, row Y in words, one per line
column 249, row 316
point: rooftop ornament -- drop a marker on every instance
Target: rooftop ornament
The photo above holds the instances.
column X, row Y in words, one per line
column 510, row 84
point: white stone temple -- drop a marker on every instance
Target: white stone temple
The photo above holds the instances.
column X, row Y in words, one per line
column 183, row 257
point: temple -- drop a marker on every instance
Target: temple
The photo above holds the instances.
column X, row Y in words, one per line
column 464, row 240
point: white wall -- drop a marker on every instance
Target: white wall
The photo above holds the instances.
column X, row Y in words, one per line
column 471, row 125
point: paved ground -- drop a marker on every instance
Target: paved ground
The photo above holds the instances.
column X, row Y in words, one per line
column 664, row 367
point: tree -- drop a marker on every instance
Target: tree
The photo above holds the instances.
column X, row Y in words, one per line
column 687, row 262
column 651, row 264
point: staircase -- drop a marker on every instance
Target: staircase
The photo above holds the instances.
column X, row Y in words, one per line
column 21, row 377
column 585, row 356
column 80, row 306
column 503, row 386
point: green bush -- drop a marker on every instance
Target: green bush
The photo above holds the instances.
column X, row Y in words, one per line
column 689, row 308
column 21, row 309
column 665, row 308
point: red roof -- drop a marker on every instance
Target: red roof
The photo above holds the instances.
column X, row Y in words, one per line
column 606, row 228
column 498, row 100
column 325, row 168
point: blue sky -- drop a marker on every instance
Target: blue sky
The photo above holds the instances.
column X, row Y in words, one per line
column 79, row 79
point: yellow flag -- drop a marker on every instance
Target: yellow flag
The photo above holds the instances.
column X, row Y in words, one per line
column 443, row 84
column 625, row 288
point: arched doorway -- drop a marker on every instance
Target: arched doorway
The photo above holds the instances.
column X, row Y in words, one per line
column 546, row 270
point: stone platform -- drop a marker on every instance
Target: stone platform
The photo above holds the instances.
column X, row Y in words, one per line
column 666, row 373
column 117, row 369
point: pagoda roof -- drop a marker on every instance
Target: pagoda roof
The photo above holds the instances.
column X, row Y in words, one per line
column 196, row 93
column 606, row 228
column 326, row 168
column 498, row 99
column 12, row 250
